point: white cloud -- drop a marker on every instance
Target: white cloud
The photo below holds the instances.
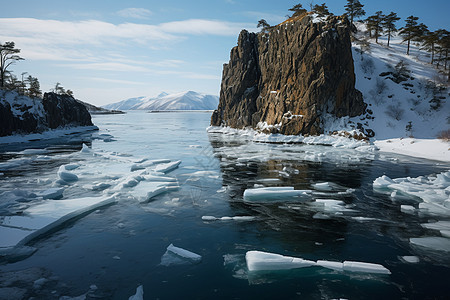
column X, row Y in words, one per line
column 108, row 66
column 116, row 81
column 135, row 13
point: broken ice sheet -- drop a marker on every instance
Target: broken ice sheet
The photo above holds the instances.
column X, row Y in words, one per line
column 275, row 193
column 265, row 261
column 179, row 256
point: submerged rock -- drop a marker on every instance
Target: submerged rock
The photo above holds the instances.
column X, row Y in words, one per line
column 289, row 78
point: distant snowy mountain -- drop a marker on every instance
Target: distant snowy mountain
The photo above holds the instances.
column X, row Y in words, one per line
column 180, row 101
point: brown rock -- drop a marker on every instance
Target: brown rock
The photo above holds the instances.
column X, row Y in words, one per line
column 293, row 75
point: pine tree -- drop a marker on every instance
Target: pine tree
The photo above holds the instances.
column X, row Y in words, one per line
column 389, row 24
column 409, row 32
column 375, row 23
column 34, row 89
column 298, row 10
column 8, row 56
column 321, row 10
column 354, row 9
column 263, row 24
column 429, row 43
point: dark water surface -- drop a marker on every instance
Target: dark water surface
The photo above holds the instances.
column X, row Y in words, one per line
column 120, row 247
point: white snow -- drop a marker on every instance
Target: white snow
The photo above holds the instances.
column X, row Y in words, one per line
column 275, row 193
column 265, row 261
column 424, row 148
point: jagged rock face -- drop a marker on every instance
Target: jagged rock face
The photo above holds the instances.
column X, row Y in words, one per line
column 64, row 110
column 20, row 114
column 291, row 77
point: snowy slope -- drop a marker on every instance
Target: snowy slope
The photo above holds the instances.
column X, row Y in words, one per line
column 402, row 115
column 394, row 105
column 180, row 101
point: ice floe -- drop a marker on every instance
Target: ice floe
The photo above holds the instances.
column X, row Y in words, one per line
column 275, row 193
column 236, row 218
column 432, row 242
column 37, row 220
column 139, row 294
column 177, row 256
column 264, row 261
column 432, row 193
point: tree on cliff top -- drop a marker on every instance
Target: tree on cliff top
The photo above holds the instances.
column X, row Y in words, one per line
column 263, row 23
column 354, row 9
column 8, row 56
column 298, row 10
column 321, row 10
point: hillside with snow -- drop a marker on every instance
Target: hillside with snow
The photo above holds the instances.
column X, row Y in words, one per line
column 179, row 101
column 407, row 98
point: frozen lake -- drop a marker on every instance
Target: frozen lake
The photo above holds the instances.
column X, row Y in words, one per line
column 334, row 214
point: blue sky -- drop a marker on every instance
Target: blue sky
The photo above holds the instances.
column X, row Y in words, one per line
column 107, row 51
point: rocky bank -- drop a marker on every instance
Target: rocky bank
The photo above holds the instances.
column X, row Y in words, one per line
column 22, row 115
column 290, row 77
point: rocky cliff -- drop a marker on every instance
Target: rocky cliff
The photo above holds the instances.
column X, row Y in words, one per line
column 289, row 78
column 20, row 114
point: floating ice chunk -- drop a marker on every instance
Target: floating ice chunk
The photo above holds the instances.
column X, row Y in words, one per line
column 33, row 151
column 183, row 253
column 148, row 163
column 71, row 167
column 334, row 265
column 410, row 259
column 328, row 186
column 236, row 218
column 274, row 193
column 100, row 186
column 407, row 209
column 435, row 243
column 440, row 225
column 260, row 261
column 52, row 193
column 66, row 176
column 445, row 233
column 85, row 149
column 167, row 167
column 433, row 209
column 382, row 182
column 139, row 294
column 363, row 267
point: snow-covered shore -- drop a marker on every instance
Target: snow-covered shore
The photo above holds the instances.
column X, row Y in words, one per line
column 433, row 149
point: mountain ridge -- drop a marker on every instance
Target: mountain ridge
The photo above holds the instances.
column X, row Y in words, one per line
column 188, row 100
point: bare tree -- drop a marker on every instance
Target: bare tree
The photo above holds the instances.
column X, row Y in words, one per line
column 8, row 56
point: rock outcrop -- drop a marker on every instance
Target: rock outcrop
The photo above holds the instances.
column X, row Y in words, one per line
column 289, row 78
column 20, row 114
